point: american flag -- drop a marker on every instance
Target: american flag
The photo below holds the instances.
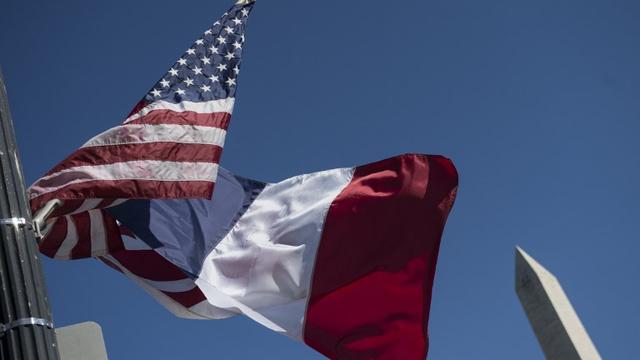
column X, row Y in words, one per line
column 168, row 147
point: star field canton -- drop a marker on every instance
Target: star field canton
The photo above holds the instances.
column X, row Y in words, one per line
column 209, row 69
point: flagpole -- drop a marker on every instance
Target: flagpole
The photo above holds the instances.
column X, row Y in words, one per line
column 26, row 329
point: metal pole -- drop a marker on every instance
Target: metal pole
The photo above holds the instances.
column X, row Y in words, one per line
column 26, row 331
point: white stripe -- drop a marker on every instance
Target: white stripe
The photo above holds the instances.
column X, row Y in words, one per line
column 116, row 203
column 88, row 204
column 205, row 309
column 172, row 286
column 143, row 134
column 70, row 241
column 214, row 106
column 132, row 170
column 266, row 261
column 98, row 233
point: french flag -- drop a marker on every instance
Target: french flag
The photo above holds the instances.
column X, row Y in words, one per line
column 343, row 260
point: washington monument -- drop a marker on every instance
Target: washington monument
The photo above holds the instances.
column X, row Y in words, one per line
column 555, row 323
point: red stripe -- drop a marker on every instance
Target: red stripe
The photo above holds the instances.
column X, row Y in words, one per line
column 158, row 117
column 187, row 298
column 372, row 282
column 160, row 151
column 54, row 239
column 149, row 265
column 122, row 189
column 82, row 222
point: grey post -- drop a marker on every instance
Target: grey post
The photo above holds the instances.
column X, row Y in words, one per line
column 26, row 330
column 555, row 323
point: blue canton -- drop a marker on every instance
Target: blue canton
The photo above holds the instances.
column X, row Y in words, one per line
column 209, row 69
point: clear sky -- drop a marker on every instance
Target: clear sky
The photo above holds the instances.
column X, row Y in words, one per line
column 536, row 102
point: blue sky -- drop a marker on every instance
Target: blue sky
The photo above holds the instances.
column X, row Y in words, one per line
column 536, row 102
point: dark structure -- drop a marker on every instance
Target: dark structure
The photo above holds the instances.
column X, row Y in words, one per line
column 26, row 330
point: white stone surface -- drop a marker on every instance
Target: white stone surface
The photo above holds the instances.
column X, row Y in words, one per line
column 554, row 321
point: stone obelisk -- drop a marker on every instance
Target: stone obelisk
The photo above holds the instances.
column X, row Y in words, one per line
column 555, row 323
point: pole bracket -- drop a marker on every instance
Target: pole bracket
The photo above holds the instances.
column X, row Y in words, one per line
column 37, row 225
column 4, row 328
column 42, row 215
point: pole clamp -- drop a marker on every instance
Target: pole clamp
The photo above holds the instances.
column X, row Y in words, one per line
column 4, row 328
column 17, row 222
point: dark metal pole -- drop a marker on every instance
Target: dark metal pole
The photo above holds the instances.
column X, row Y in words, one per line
column 26, row 331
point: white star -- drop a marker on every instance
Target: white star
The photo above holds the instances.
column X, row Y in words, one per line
column 214, row 50
column 237, row 21
column 208, row 32
column 164, row 83
column 205, row 61
column 231, row 81
column 180, row 92
column 237, row 45
column 221, row 40
column 182, row 61
column 188, row 81
column 213, row 78
column 245, row 12
column 205, row 88
column 229, row 56
column 229, row 30
column 216, row 23
column 199, row 42
column 173, row 72
column 222, row 67
column 155, row 92
column 191, row 52
column 236, row 70
column 242, row 37
column 197, row 70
